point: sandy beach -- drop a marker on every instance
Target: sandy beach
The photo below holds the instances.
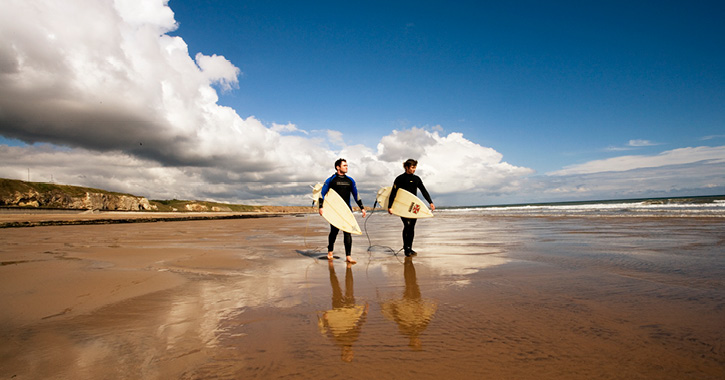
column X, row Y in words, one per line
column 494, row 297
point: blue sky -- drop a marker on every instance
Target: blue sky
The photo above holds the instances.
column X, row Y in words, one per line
column 565, row 81
column 249, row 101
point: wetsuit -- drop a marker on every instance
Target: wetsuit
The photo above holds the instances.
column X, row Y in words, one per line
column 411, row 183
column 344, row 186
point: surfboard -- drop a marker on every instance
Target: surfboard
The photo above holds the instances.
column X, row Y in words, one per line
column 383, row 196
column 406, row 204
column 336, row 212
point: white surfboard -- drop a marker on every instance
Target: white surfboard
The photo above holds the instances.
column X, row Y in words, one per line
column 336, row 212
column 406, row 204
column 383, row 196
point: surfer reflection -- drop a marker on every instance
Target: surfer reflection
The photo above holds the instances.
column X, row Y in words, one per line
column 344, row 321
column 412, row 313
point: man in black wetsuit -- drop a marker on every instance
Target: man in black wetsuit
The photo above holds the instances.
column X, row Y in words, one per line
column 344, row 186
column 410, row 182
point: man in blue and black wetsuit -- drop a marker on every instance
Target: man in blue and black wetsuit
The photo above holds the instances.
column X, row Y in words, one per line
column 410, row 182
column 344, row 186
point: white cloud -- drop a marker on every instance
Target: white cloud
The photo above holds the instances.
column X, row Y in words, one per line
column 401, row 145
column 146, row 13
column 625, row 163
column 218, row 69
column 448, row 164
column 684, row 179
column 335, row 137
column 678, row 172
column 617, row 148
column 110, row 170
column 632, row 144
column 287, row 128
column 454, row 164
column 639, row 143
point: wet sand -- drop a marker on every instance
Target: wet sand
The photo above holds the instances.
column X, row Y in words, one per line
column 14, row 218
column 500, row 297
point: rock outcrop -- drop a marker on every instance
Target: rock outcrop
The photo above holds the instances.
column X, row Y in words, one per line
column 28, row 194
column 17, row 193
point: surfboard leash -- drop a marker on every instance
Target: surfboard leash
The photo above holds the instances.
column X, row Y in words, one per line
column 304, row 238
column 370, row 245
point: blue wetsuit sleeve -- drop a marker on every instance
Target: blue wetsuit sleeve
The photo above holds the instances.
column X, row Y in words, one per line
column 323, row 192
column 355, row 195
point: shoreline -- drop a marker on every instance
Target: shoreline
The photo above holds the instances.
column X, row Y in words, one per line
column 39, row 218
column 11, row 218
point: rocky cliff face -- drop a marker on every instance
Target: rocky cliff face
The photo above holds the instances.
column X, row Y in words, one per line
column 19, row 193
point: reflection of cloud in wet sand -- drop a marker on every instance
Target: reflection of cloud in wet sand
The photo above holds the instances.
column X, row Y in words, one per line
column 198, row 313
column 453, row 266
column 466, row 264
column 201, row 314
column 412, row 313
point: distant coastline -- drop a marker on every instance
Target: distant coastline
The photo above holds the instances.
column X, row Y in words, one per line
column 700, row 199
column 21, row 195
column 675, row 207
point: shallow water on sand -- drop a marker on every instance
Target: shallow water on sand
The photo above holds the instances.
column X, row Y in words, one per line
column 485, row 297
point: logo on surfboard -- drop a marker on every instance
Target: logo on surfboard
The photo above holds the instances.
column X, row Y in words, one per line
column 414, row 208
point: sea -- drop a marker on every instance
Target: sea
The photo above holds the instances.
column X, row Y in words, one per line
column 676, row 207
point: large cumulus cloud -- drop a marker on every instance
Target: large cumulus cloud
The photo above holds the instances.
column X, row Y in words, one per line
column 105, row 75
column 102, row 95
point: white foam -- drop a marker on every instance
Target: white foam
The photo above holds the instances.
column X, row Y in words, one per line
column 644, row 208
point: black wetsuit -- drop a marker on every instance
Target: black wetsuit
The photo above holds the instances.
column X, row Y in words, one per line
column 411, row 183
column 344, row 186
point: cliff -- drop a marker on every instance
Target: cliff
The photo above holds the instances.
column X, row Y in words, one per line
column 21, row 194
column 45, row 195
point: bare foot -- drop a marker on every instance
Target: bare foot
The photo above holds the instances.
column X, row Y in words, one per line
column 330, row 256
column 350, row 260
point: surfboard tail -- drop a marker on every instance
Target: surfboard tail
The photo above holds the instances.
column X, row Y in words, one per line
column 382, row 196
column 316, row 191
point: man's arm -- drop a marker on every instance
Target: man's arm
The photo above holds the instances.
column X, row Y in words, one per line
column 356, row 197
column 425, row 194
column 391, row 198
column 323, row 192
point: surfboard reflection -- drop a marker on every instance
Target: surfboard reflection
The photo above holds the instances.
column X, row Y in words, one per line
column 344, row 321
column 412, row 313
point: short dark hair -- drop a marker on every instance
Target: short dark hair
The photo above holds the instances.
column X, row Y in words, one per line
column 339, row 162
column 410, row 162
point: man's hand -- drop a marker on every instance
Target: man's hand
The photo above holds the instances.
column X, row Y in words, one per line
column 364, row 212
column 320, row 211
column 432, row 207
column 390, row 211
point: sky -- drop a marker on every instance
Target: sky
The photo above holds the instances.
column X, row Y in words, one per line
column 253, row 101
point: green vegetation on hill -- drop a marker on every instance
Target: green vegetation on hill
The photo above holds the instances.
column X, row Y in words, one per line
column 10, row 186
column 181, row 205
column 17, row 193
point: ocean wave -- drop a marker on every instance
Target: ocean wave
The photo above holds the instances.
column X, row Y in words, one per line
column 670, row 207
